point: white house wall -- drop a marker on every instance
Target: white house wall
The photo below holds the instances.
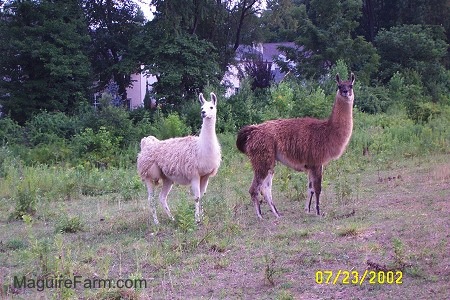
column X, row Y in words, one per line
column 138, row 88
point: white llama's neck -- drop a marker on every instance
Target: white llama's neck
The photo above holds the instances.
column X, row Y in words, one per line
column 208, row 138
column 208, row 131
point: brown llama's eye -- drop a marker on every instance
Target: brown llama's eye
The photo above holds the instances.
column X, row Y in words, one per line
column 351, row 86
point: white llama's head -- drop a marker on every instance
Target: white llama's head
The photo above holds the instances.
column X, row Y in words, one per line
column 209, row 108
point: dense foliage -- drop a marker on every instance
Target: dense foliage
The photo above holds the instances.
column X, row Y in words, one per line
column 44, row 63
column 56, row 55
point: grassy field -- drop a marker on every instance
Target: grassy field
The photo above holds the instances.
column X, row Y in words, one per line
column 387, row 215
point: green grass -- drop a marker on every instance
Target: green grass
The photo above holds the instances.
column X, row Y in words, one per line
column 96, row 224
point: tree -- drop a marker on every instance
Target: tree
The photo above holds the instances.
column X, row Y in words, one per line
column 325, row 35
column 415, row 47
column 259, row 71
column 280, row 21
column 43, row 65
column 183, row 65
column 112, row 25
column 384, row 14
column 225, row 24
column 191, row 47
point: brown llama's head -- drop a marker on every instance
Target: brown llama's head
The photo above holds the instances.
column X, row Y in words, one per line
column 345, row 87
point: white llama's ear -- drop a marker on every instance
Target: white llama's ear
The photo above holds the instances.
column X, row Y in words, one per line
column 201, row 99
column 214, row 99
column 337, row 78
column 352, row 78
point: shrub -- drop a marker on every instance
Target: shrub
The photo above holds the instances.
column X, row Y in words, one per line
column 25, row 199
column 422, row 111
column 282, row 101
column 98, row 148
column 10, row 132
column 225, row 119
column 191, row 113
column 45, row 128
column 48, row 153
column 6, row 159
column 315, row 104
column 69, row 225
column 170, row 126
column 243, row 106
column 184, row 216
column 116, row 120
column 15, row 244
column 373, row 100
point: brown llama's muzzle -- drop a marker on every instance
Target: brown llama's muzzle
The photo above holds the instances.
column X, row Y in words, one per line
column 345, row 92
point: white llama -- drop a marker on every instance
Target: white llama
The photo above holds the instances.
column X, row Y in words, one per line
column 183, row 160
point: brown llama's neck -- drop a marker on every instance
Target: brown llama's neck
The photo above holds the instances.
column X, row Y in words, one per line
column 342, row 114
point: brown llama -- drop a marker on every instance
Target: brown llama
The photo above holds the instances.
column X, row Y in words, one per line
column 303, row 144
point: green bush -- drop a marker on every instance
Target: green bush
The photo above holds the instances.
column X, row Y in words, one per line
column 191, row 114
column 25, row 198
column 315, row 104
column 69, row 225
column 184, row 216
column 422, row 111
column 373, row 100
column 97, row 148
column 243, row 106
column 45, row 128
column 281, row 102
column 170, row 126
column 10, row 132
column 54, row 152
column 116, row 120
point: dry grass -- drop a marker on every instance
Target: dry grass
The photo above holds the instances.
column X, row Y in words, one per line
column 399, row 224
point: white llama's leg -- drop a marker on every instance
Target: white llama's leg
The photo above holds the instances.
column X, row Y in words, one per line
column 151, row 204
column 195, row 185
column 266, row 190
column 203, row 184
column 167, row 186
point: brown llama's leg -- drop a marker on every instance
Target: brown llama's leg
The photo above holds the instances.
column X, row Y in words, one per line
column 314, row 187
column 254, row 194
column 317, row 185
column 266, row 191
column 310, row 194
column 261, row 151
column 260, row 176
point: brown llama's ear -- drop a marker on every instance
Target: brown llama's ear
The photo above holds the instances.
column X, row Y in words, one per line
column 337, row 78
column 201, row 99
column 214, row 99
column 352, row 78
